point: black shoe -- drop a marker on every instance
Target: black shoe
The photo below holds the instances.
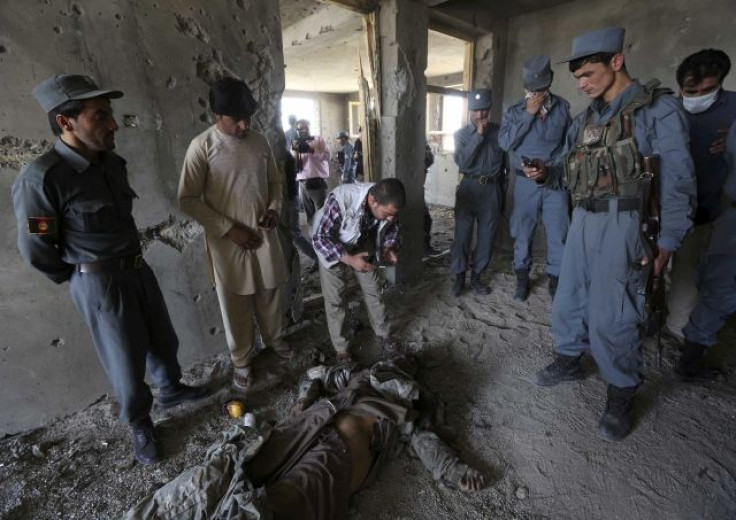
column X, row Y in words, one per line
column 554, row 281
column 180, row 393
column 458, row 285
column 692, row 365
column 478, row 286
column 563, row 368
column 430, row 251
column 146, row 446
column 522, row 285
column 615, row 423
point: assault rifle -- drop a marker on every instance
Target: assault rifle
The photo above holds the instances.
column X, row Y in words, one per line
column 651, row 286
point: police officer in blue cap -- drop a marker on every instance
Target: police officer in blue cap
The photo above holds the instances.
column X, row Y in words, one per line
column 533, row 130
column 716, row 284
column 73, row 207
column 477, row 198
column 611, row 150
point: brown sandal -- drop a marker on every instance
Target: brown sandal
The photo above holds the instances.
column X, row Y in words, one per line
column 284, row 351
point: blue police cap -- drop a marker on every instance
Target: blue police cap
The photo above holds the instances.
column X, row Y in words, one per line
column 59, row 89
column 479, row 99
column 536, row 73
column 608, row 40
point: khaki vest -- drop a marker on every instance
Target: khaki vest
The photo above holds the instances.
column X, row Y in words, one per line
column 606, row 161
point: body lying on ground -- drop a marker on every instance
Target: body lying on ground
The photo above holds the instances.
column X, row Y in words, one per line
column 308, row 466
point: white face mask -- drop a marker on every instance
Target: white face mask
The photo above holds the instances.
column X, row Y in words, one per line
column 698, row 104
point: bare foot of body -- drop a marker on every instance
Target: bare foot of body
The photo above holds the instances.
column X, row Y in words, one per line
column 473, row 480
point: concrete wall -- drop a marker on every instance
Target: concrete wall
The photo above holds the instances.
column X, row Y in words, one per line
column 403, row 42
column 659, row 34
column 441, row 180
column 162, row 54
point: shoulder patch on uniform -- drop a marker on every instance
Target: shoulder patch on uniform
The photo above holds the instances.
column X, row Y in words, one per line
column 42, row 225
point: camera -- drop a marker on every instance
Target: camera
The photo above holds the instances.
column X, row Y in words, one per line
column 301, row 144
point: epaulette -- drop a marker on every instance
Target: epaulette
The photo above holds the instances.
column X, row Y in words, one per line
column 36, row 171
column 650, row 91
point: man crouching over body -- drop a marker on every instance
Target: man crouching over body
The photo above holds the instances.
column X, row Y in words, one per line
column 356, row 231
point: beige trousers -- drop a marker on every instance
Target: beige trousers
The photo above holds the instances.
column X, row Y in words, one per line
column 238, row 313
column 683, row 292
column 334, row 283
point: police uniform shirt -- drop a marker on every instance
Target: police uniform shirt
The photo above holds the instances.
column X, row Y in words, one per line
column 660, row 128
column 478, row 154
column 71, row 211
column 529, row 135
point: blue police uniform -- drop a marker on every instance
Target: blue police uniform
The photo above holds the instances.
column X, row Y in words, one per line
column 597, row 306
column 537, row 137
column 75, row 223
column 717, row 282
column 477, row 197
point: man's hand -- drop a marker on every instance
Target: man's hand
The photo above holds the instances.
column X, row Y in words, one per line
column 535, row 102
column 537, row 173
column 269, row 219
column 482, row 124
column 390, row 256
column 660, row 263
column 359, row 262
column 244, row 237
column 718, row 146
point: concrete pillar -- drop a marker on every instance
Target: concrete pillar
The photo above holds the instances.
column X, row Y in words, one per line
column 403, row 26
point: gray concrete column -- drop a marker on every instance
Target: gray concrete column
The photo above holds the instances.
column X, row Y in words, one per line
column 403, row 26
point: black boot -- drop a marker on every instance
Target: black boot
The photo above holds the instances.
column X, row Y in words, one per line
column 478, row 286
column 615, row 423
column 429, row 250
column 692, row 365
column 180, row 393
column 458, row 286
column 522, row 285
column 563, row 368
column 552, row 285
column 146, row 446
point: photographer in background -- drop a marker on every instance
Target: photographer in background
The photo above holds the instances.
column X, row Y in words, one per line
column 347, row 166
column 312, row 168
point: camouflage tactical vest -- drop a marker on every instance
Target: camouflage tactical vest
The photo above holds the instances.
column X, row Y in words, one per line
column 606, row 162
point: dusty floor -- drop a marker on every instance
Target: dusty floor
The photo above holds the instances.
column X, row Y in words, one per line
column 479, row 353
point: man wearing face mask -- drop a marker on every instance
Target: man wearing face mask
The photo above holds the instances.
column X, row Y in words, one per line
column 230, row 184
column 534, row 130
column 477, row 197
column 710, row 111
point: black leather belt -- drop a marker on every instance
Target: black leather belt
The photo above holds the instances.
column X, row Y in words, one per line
column 114, row 264
column 602, row 205
column 482, row 179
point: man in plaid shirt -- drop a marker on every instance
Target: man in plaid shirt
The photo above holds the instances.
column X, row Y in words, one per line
column 356, row 231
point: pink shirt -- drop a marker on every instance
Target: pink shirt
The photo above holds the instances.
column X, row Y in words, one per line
column 314, row 165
